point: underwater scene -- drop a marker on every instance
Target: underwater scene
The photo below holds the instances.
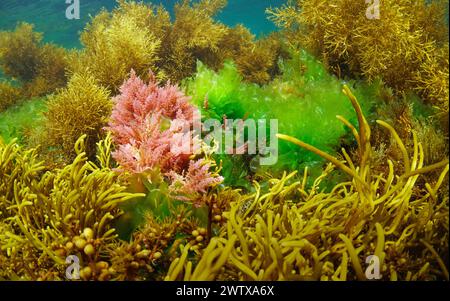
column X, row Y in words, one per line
column 215, row 140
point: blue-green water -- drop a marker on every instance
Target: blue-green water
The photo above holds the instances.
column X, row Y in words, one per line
column 49, row 16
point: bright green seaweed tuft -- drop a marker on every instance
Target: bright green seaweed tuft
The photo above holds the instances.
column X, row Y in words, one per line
column 313, row 98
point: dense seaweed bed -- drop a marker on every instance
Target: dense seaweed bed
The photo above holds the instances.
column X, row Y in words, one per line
column 87, row 170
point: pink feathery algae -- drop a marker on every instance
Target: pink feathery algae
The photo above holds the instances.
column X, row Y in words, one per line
column 150, row 125
column 138, row 101
column 194, row 181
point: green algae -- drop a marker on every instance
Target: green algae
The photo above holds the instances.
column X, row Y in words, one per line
column 305, row 100
column 16, row 121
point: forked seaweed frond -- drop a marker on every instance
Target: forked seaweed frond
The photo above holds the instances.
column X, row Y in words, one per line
column 291, row 232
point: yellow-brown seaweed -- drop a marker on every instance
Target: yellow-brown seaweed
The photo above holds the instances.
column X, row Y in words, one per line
column 292, row 232
column 49, row 215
